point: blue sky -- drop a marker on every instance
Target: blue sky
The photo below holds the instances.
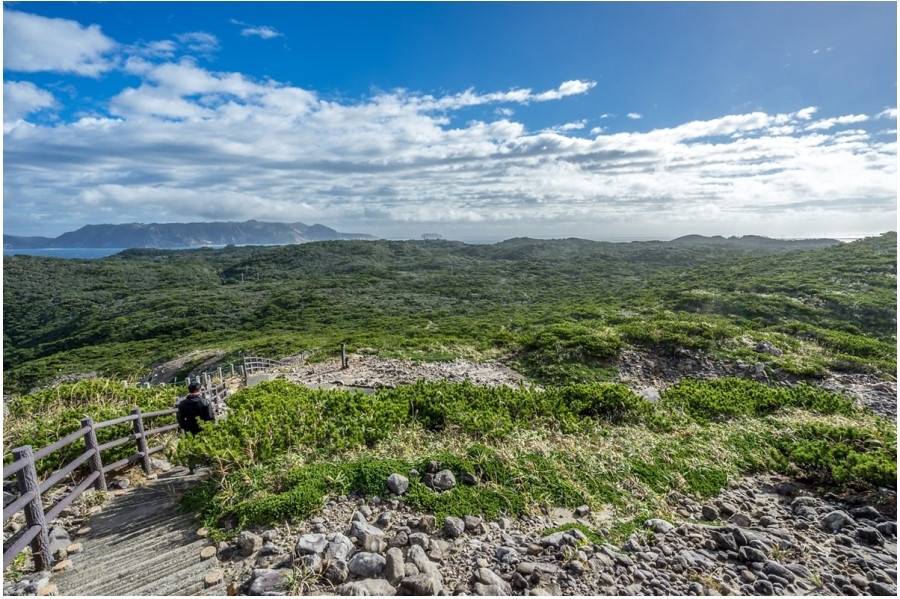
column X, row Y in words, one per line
column 406, row 118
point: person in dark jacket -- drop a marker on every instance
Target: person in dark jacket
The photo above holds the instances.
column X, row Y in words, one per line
column 193, row 407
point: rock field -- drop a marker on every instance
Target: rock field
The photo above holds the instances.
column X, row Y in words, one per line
column 762, row 536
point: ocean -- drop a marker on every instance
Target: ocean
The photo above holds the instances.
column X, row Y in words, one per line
column 83, row 253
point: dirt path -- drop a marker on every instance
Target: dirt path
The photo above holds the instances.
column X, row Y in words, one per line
column 370, row 372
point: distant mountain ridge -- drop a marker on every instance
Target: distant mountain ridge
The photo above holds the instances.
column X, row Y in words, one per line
column 183, row 235
column 755, row 241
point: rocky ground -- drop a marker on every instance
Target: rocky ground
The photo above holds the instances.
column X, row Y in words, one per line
column 649, row 373
column 370, row 372
column 763, row 536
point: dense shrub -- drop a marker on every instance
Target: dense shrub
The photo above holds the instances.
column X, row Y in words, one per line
column 275, row 417
column 40, row 418
column 843, row 455
column 733, row 397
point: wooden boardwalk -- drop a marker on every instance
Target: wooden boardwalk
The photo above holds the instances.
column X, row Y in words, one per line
column 140, row 544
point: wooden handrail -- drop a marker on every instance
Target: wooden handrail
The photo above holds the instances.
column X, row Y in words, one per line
column 31, row 488
column 67, row 440
column 114, row 421
column 25, row 537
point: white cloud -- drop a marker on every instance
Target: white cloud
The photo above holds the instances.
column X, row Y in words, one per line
column 188, row 143
column 504, row 111
column 573, row 126
column 846, row 119
column 32, row 43
column 606, row 115
column 804, row 114
column 887, row 113
column 199, row 41
column 597, row 130
column 566, row 88
column 22, row 98
column 263, row 31
column 634, row 115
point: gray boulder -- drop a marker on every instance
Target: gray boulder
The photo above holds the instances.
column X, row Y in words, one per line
column 370, row 537
column 835, row 521
column 444, row 480
column 397, row 484
column 394, row 567
column 264, row 581
column 248, row 543
column 369, row 587
column 366, row 564
column 659, row 525
column 312, row 543
column 453, row 526
column 339, row 547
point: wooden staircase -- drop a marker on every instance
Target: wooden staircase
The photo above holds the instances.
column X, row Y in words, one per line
column 140, row 544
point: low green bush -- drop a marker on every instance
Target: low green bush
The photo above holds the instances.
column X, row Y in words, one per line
column 725, row 398
column 843, row 455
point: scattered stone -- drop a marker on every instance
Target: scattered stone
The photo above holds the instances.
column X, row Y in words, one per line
column 337, row 571
column 869, row 536
column 248, row 543
column 61, row 566
column 366, row 564
column 120, row 482
column 48, row 590
column 74, row 548
column 394, row 567
column 474, row 524
column 709, row 513
column 374, row 587
column 370, row 537
column 752, row 554
column 866, row 512
column 397, row 484
column 659, row 525
column 582, row 510
column 311, row 543
column 444, row 480
column 265, row 581
column 453, row 527
column 835, row 521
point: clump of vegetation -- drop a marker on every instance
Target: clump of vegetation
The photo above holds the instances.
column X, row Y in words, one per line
column 38, row 419
column 728, row 397
column 516, row 449
column 570, row 352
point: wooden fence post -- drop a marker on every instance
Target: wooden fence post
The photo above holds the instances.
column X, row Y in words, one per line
column 232, row 368
column 142, row 446
column 90, row 441
column 221, row 378
column 34, row 509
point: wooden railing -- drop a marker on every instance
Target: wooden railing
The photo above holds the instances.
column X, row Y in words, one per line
column 31, row 489
column 256, row 364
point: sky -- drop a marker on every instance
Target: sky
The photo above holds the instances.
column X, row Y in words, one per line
column 476, row 121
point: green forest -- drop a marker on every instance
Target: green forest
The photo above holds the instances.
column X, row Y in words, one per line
column 559, row 311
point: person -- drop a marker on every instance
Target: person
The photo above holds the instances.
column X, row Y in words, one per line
column 194, row 406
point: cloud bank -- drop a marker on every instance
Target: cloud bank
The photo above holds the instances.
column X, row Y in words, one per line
column 189, row 143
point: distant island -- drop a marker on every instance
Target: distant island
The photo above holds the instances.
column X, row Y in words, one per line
column 182, row 235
